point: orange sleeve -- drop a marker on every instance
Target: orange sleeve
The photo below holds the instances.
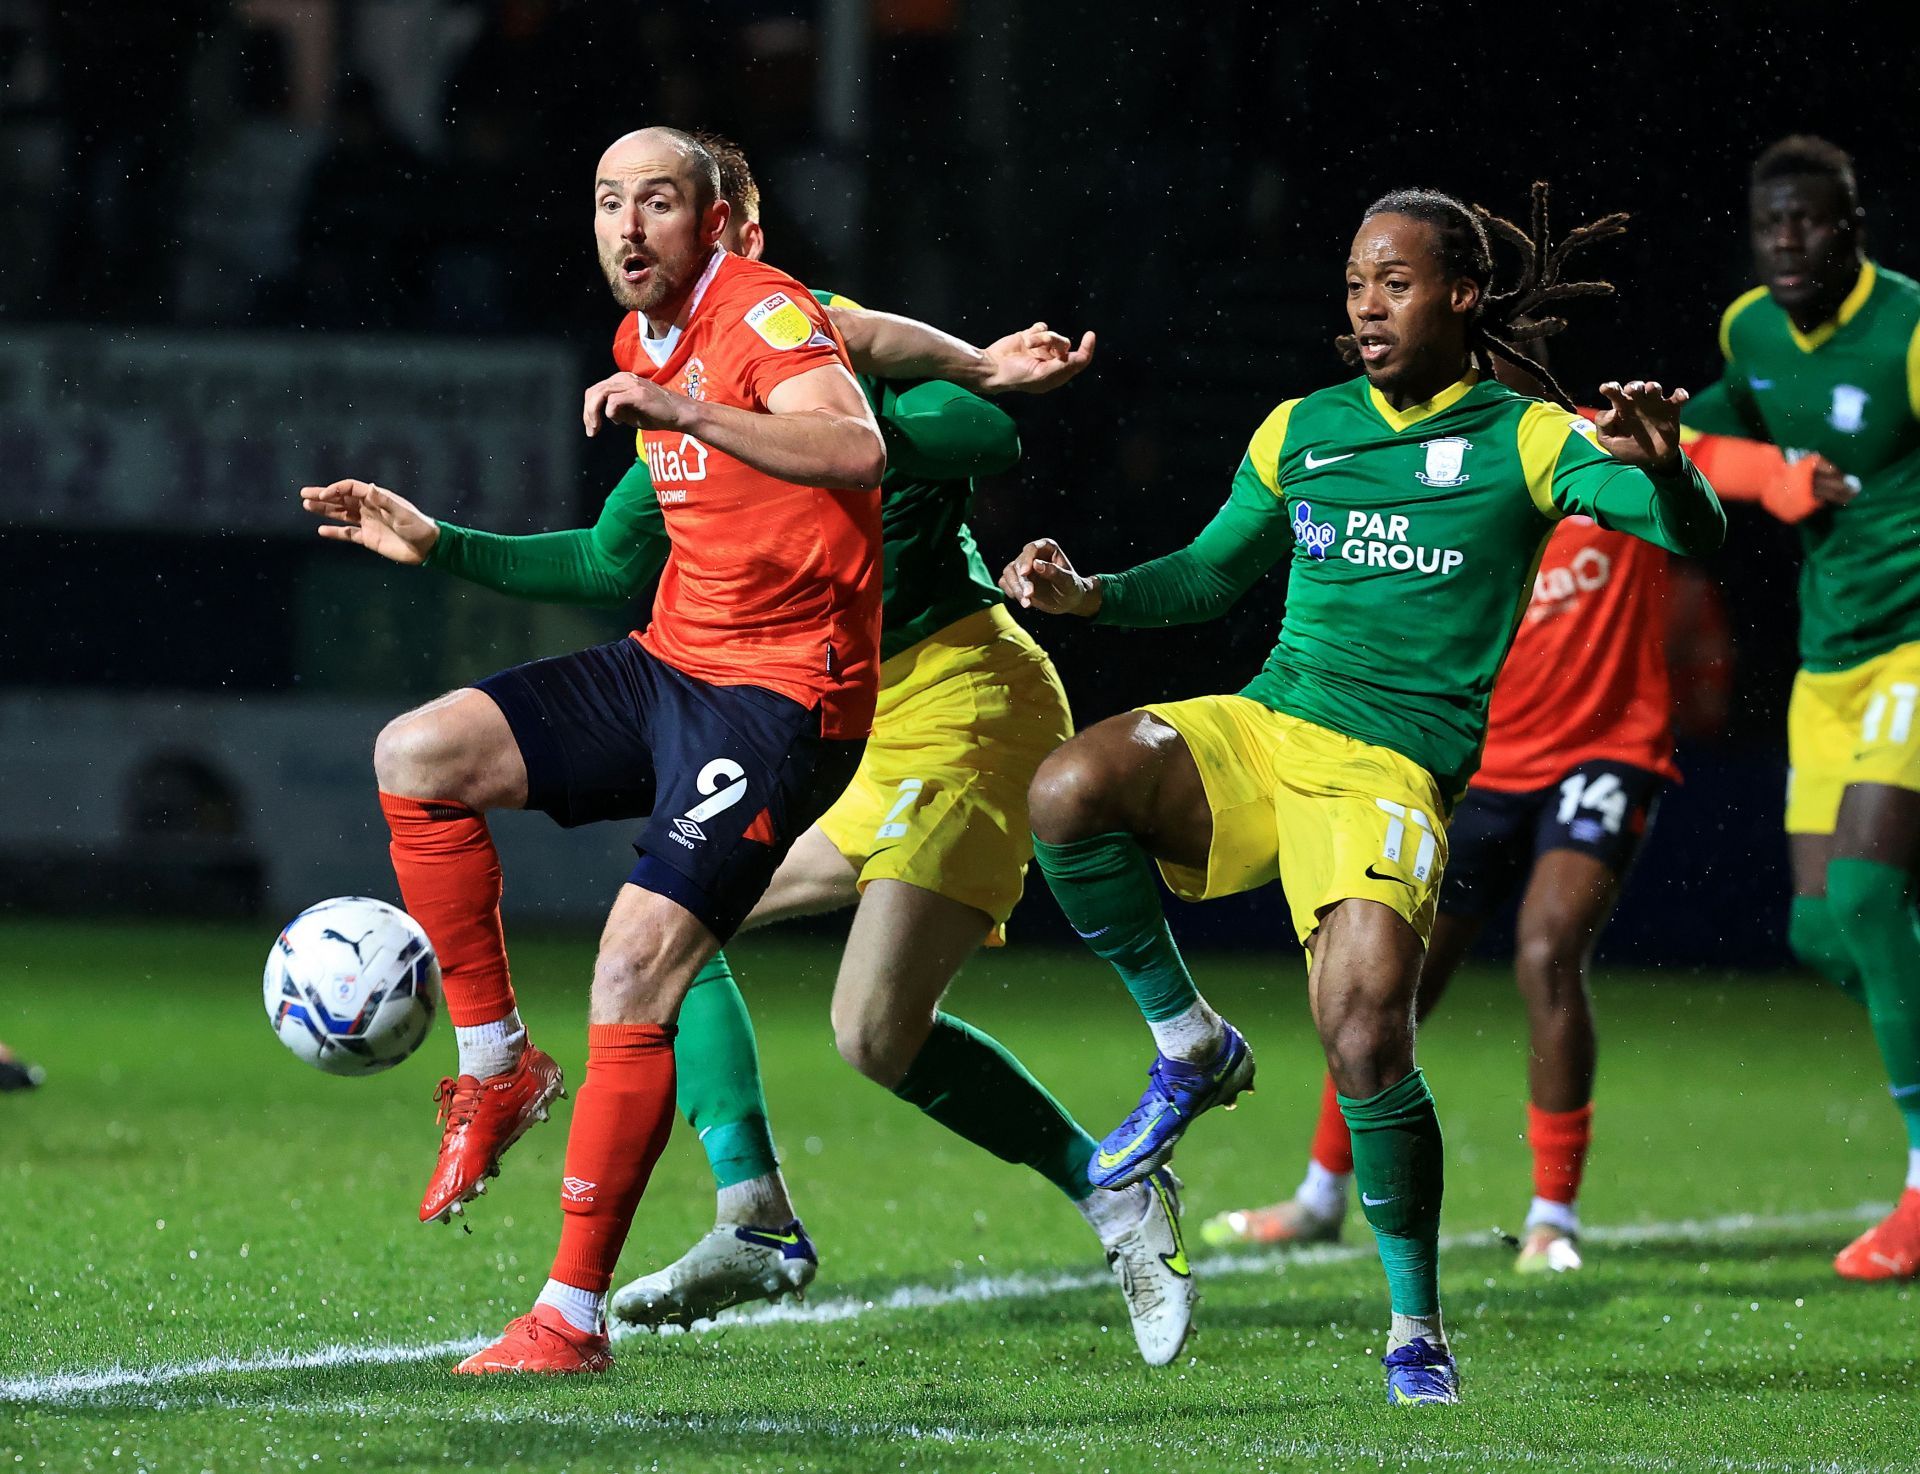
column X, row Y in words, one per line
column 1748, row 471
column 773, row 336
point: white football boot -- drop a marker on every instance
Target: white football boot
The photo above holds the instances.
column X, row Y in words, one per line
column 734, row 1264
column 1150, row 1261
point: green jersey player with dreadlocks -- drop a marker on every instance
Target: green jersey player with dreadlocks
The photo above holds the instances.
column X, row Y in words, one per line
column 1413, row 503
column 1824, row 357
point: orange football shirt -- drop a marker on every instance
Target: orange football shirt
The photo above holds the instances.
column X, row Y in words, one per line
column 767, row 583
column 1587, row 676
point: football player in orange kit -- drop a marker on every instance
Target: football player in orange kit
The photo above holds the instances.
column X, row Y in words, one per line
column 727, row 725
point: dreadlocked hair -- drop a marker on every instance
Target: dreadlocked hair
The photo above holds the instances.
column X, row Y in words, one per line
column 1504, row 320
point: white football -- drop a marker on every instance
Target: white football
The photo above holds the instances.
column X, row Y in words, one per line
column 351, row 985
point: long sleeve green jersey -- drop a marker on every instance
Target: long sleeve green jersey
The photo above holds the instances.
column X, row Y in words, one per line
column 1414, row 536
column 1849, row 390
column 938, row 438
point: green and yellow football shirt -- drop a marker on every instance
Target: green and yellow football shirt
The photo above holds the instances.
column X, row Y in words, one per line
column 1850, row 391
column 1414, row 536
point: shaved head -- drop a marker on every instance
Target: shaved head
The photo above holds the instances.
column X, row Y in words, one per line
column 645, row 150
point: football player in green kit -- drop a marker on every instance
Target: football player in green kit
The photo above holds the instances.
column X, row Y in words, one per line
column 1823, row 359
column 1413, row 503
column 928, row 844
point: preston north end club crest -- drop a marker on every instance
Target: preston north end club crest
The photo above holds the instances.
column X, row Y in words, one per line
column 1444, row 459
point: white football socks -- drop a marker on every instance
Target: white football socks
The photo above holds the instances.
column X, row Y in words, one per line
column 1913, row 1169
column 1195, row 1036
column 584, row 1310
column 759, row 1202
column 1563, row 1216
column 491, row 1049
column 1323, row 1193
column 1113, row 1215
column 1407, row 1327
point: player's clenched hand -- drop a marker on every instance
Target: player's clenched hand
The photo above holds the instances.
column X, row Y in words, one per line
column 1042, row 578
column 628, row 399
column 1641, row 425
column 1034, row 361
column 1832, row 487
column 379, row 520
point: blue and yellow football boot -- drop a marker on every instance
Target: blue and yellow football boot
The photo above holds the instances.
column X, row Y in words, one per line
column 1176, row 1093
column 1419, row 1373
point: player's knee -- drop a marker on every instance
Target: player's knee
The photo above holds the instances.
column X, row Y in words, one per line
column 1070, row 797
column 1368, row 1046
column 1551, row 963
column 629, row 987
column 415, row 756
column 871, row 1048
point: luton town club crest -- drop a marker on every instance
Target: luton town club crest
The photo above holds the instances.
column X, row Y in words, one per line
column 1444, row 458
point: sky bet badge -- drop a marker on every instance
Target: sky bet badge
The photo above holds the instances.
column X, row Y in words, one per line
column 1315, row 537
column 1443, row 461
column 780, row 322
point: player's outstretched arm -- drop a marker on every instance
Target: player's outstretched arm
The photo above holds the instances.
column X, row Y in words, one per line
column 609, row 563
column 1201, row 581
column 1642, row 484
column 1035, row 360
column 819, row 430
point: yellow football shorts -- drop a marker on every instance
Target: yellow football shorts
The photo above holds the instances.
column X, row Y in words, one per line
column 1851, row 726
column 940, row 799
column 1329, row 817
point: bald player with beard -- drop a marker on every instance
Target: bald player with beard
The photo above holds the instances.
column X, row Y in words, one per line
column 726, row 726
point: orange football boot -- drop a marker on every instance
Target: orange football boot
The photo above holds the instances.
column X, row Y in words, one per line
column 1890, row 1250
column 541, row 1341
column 480, row 1120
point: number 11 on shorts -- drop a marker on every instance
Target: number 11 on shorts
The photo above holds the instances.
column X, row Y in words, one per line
column 1396, row 840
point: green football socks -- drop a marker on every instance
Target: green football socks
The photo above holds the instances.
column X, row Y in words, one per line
column 1873, row 906
column 1397, row 1164
column 1816, row 940
column 1106, row 888
column 970, row 1084
column 717, row 1073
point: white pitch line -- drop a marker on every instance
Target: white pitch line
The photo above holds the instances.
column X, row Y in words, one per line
column 77, row 1386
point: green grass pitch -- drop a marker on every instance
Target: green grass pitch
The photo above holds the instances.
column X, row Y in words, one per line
column 183, row 1204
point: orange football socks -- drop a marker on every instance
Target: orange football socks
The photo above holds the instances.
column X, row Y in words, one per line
column 1559, row 1140
column 620, row 1123
column 449, row 875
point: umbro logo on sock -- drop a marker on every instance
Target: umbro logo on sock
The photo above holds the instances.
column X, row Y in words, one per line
column 577, row 1189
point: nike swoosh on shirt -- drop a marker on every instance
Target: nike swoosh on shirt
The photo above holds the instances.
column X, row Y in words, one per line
column 1314, row 465
column 1373, row 874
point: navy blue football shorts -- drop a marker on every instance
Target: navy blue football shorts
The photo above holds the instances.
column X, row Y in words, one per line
column 1601, row 808
column 726, row 777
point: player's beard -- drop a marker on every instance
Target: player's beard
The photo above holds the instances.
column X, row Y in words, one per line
column 670, row 275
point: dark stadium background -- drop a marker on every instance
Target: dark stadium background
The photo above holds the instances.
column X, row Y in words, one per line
column 249, row 190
